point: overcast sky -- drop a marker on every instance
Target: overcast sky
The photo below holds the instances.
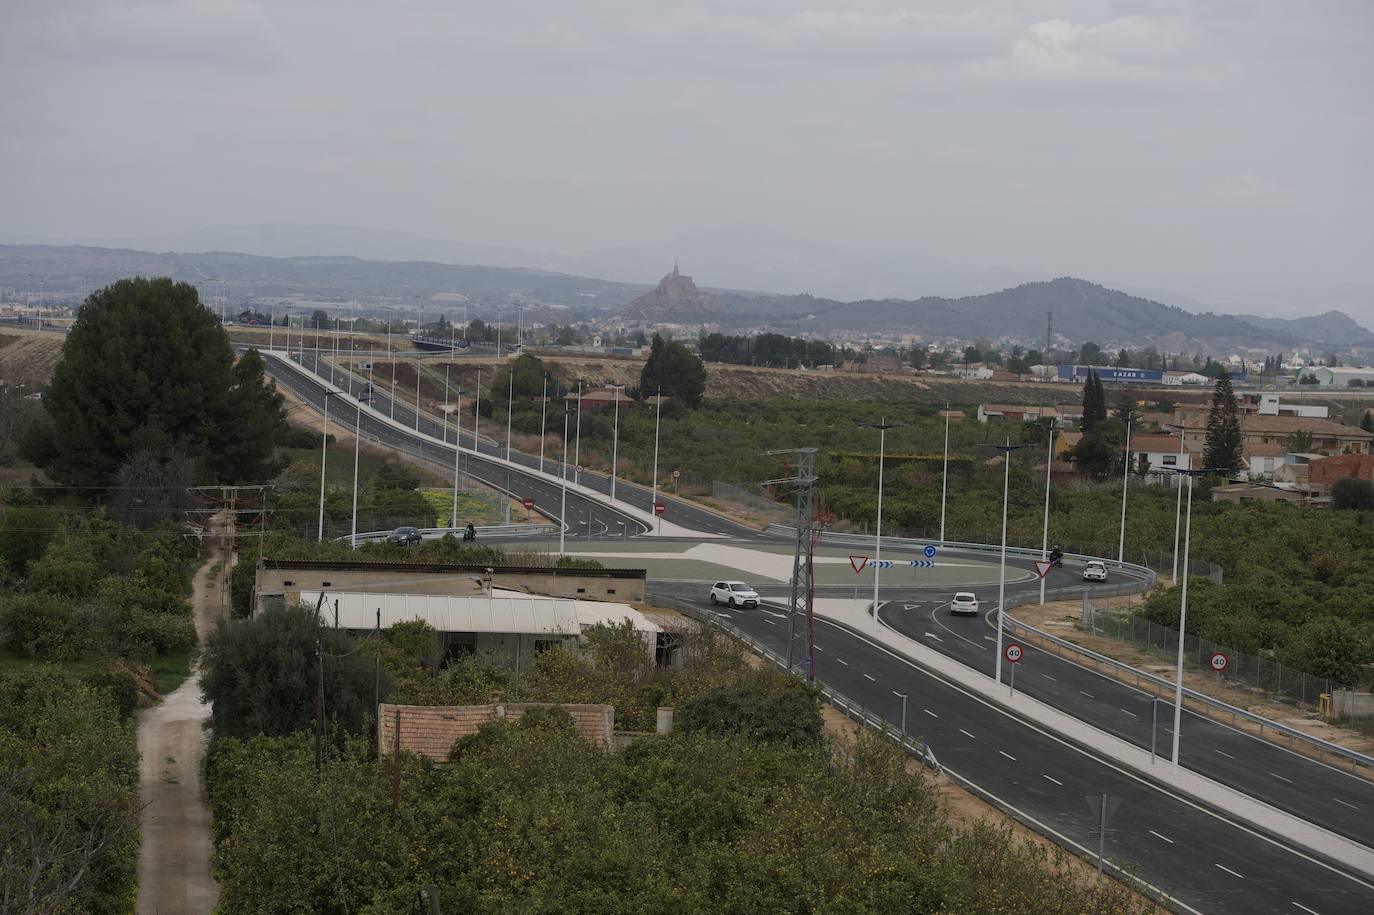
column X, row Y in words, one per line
column 1217, row 150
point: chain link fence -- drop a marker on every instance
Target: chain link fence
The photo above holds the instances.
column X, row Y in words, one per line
column 1244, row 671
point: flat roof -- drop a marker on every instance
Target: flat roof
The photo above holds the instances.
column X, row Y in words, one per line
column 503, row 612
column 441, row 568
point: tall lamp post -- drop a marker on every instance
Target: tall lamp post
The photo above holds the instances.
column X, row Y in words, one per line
column 1178, row 505
column 1045, row 528
column 324, row 450
column 1183, row 608
column 563, row 477
column 1125, row 478
column 882, row 428
column 357, row 447
column 457, row 451
column 1006, row 450
column 615, row 434
column 944, row 478
column 543, row 416
column 653, row 498
column 577, row 446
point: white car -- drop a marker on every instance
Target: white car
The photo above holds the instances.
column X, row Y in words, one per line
column 1095, row 570
column 964, row 602
column 734, row 594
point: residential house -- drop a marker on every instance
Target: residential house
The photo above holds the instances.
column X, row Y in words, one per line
column 973, row 371
column 1269, row 405
column 1257, row 492
column 1162, row 453
column 1323, row 472
column 1015, row 413
column 1262, row 460
column 599, row 397
column 1327, row 436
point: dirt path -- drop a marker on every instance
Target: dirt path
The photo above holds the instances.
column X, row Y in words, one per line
column 174, row 857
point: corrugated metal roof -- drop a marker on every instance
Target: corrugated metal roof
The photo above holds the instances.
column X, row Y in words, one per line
column 447, row 613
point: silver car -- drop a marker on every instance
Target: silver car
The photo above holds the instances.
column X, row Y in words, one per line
column 964, row 602
column 1095, row 570
column 734, row 594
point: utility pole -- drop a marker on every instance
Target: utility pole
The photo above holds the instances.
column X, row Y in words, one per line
column 801, row 597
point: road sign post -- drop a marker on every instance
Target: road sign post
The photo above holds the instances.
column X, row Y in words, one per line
column 1042, row 568
column 529, row 507
column 858, row 563
column 660, row 508
column 1218, row 661
column 1013, row 653
column 676, row 474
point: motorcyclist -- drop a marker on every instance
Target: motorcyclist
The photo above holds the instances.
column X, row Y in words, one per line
column 1057, row 556
column 470, row 533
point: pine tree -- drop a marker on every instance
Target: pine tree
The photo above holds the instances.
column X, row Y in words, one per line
column 1094, row 402
column 1222, row 452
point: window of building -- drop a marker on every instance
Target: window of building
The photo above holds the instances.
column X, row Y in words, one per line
column 1170, row 460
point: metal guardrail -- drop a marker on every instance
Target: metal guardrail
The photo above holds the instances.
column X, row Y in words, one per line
column 1145, row 578
column 1355, row 757
column 436, row 533
column 913, row 746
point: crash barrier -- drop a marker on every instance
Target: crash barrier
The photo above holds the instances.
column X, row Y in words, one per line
column 502, row 531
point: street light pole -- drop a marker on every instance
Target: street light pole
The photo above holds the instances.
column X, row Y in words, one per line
column 510, row 404
column 477, row 414
column 1125, row 478
column 392, row 357
column 882, row 427
column 615, row 435
column 1045, row 528
column 324, row 450
column 653, row 499
column 543, row 415
column 357, row 447
column 577, row 448
column 1178, row 505
column 1183, row 611
column 447, row 365
column 944, row 478
column 1006, row 450
column 563, row 477
column 457, row 451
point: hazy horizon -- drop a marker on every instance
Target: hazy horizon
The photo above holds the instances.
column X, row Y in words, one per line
column 1209, row 155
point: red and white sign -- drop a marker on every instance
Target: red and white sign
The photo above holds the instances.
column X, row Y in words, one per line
column 660, row 508
column 1218, row 661
column 528, row 503
column 858, row 562
column 676, row 474
column 579, row 468
column 1042, row 567
column 1013, row 653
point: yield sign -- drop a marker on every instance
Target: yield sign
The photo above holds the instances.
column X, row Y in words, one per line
column 1042, row 567
column 858, row 562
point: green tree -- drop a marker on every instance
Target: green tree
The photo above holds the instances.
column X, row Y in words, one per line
column 145, row 367
column 1367, row 421
column 1091, row 354
column 1352, row 495
column 1299, row 442
column 1222, row 451
column 676, row 370
column 261, row 675
column 1094, row 402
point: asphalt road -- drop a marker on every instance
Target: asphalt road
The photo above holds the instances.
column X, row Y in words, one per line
column 545, row 493
column 1194, row 855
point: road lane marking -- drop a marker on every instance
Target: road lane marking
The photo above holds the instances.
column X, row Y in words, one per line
column 1089, row 695
column 1048, row 677
column 989, row 638
column 871, row 678
column 1281, row 778
column 967, row 734
column 1053, row 779
column 930, row 713
column 1306, row 909
column 770, row 622
column 843, row 661
column 1339, row 801
column 1007, row 755
column 931, row 635
column 1229, row 871
column 1132, row 714
column 1165, row 838
column 1223, row 753
column 819, row 648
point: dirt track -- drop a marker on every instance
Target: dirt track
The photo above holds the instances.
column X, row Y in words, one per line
column 174, row 857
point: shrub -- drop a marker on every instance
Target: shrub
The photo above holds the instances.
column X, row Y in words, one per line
column 47, row 627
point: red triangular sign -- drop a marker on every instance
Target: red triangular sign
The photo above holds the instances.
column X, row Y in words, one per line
column 858, row 562
column 1042, row 567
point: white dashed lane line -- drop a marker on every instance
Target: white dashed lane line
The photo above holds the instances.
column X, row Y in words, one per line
column 1344, row 804
column 1053, row 779
column 843, row 661
column 1048, row 677
column 1132, row 714
column 870, row 678
column 1161, row 836
column 1306, row 909
column 1007, row 755
column 1227, row 755
column 1089, row 695
column 1281, row 778
column 930, row 713
column 967, row 734
column 1229, row 871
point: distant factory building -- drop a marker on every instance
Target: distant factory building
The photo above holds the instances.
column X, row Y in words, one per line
column 1079, row 374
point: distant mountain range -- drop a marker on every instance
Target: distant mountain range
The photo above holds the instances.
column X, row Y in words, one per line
column 1082, row 310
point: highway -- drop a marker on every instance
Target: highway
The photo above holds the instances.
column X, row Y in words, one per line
column 1200, row 859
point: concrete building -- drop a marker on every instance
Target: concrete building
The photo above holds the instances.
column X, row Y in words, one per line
column 432, row 730
column 1079, row 374
column 1179, row 378
column 281, row 580
column 1336, row 377
column 506, row 626
column 1323, row 472
column 1262, row 460
column 1328, row 436
column 1164, row 453
column 1270, row 405
column 1257, row 492
column 599, row 397
column 1015, row 413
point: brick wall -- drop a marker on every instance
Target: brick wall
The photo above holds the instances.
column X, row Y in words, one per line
column 431, row 730
column 1327, row 471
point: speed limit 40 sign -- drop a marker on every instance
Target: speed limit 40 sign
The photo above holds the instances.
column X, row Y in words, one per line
column 1013, row 653
column 1218, row 661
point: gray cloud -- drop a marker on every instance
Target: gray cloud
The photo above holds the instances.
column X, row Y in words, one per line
column 1214, row 148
